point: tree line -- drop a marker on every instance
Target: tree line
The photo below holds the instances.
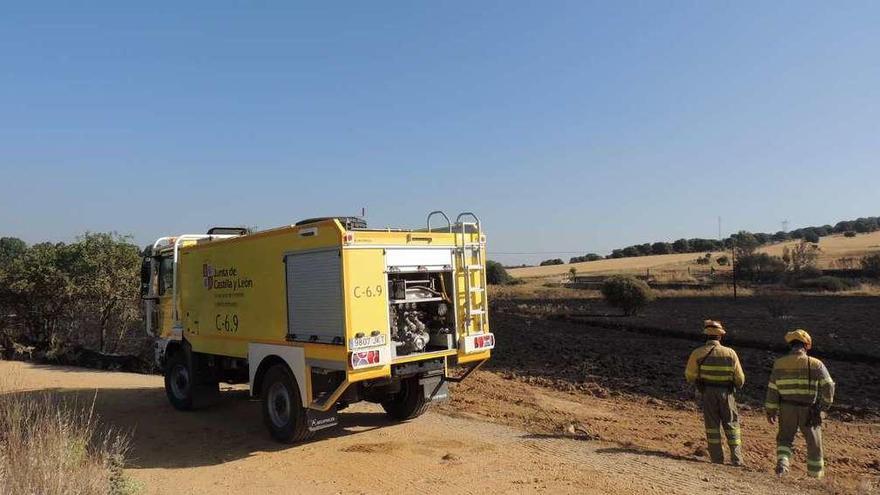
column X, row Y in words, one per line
column 701, row 245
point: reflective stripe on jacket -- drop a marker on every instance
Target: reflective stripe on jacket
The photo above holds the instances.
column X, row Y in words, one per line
column 799, row 379
column 714, row 364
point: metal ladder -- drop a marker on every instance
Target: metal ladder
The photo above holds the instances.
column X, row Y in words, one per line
column 471, row 262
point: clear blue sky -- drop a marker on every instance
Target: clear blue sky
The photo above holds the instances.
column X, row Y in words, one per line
column 569, row 126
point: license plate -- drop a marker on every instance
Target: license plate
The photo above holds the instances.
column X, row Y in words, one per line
column 372, row 341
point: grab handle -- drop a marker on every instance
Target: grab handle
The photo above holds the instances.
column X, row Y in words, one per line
column 438, row 212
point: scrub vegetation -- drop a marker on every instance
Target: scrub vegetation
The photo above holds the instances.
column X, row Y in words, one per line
column 72, row 303
column 51, row 447
column 628, row 294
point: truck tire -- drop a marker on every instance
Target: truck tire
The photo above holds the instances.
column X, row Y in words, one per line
column 179, row 382
column 283, row 412
column 186, row 388
column 409, row 403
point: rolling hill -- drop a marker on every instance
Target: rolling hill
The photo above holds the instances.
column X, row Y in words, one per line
column 832, row 248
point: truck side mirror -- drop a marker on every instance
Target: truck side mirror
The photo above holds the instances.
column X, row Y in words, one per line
column 146, row 276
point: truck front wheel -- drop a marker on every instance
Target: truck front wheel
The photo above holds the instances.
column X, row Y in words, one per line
column 283, row 412
column 179, row 382
column 409, row 403
column 189, row 387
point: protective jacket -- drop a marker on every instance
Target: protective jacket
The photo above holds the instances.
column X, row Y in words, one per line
column 716, row 365
column 800, row 387
column 716, row 371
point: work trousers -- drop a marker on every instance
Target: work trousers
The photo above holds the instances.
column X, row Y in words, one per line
column 794, row 417
column 720, row 414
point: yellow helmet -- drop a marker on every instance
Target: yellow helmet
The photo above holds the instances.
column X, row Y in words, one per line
column 801, row 336
column 712, row 327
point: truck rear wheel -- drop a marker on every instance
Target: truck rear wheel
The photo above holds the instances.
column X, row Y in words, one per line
column 409, row 403
column 283, row 412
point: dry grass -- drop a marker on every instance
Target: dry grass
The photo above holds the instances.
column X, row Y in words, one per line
column 717, row 291
column 49, row 447
column 535, row 289
column 602, row 267
column 836, row 246
column 832, row 248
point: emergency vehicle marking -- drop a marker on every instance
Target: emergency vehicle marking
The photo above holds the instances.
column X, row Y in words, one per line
column 369, row 291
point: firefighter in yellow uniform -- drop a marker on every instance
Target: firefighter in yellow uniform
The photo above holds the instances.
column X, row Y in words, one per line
column 717, row 373
column 799, row 392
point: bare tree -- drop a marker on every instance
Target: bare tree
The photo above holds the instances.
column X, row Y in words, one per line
column 802, row 256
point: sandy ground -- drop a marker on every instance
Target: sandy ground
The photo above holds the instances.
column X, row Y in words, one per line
column 652, row 427
column 482, row 448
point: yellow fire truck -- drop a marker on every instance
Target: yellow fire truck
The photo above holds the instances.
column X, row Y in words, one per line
column 318, row 315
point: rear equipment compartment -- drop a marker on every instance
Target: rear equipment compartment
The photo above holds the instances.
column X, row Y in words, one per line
column 421, row 308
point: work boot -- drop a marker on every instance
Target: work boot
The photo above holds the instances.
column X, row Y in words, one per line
column 781, row 469
column 738, row 463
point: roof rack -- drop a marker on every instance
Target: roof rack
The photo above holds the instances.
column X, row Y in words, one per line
column 229, row 231
column 348, row 223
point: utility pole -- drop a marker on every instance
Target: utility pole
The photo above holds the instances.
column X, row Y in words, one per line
column 733, row 264
column 785, row 226
column 719, row 227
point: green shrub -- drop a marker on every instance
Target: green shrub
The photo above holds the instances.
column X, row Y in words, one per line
column 863, row 227
column 824, row 283
column 811, row 236
column 705, row 259
column 661, row 248
column 631, row 252
column 627, row 294
column 554, row 261
column 780, row 236
column 760, row 267
column 10, row 249
column 849, row 233
column 81, row 294
column 496, row 274
column 723, row 260
column 745, row 243
column 586, row 257
column 681, row 246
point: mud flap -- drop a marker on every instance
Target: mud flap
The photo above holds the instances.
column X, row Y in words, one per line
column 435, row 387
column 205, row 389
column 319, row 420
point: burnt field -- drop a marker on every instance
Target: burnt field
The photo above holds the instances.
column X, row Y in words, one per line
column 843, row 327
column 580, row 345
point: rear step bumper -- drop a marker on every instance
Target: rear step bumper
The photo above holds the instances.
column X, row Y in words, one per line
column 426, row 367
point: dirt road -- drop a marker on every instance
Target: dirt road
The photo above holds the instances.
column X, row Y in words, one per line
column 226, row 450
